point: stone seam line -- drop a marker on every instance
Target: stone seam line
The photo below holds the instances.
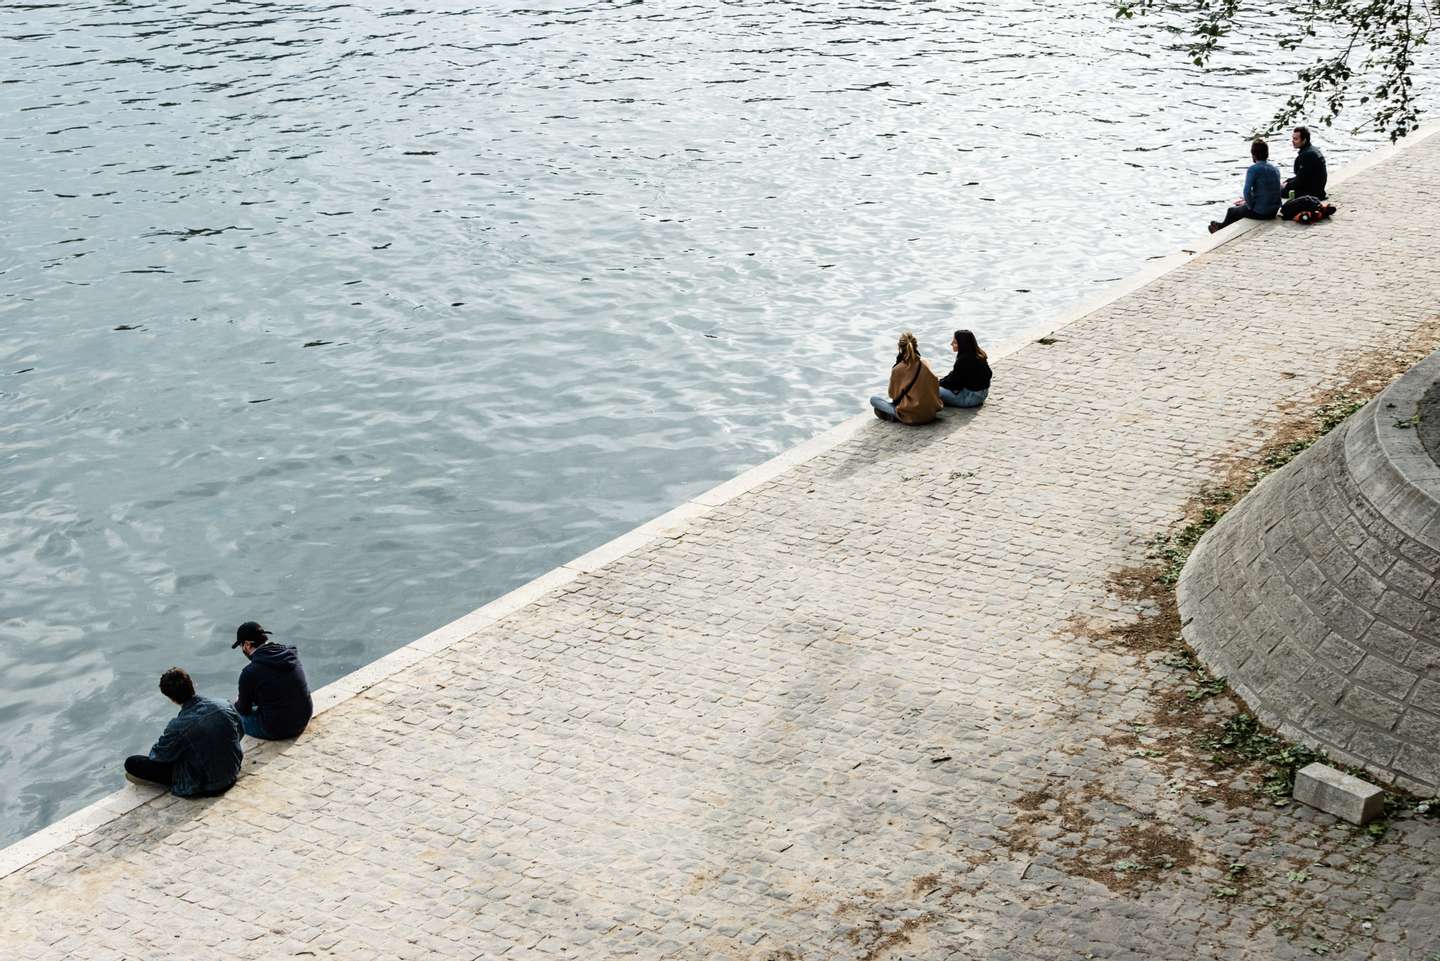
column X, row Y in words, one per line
column 88, row 819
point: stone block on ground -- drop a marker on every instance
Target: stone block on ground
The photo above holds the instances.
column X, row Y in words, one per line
column 1335, row 792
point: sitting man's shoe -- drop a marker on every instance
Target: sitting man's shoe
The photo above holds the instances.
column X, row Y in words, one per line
column 141, row 782
column 1215, row 225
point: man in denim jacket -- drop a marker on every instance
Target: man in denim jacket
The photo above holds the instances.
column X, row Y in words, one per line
column 1261, row 200
column 199, row 753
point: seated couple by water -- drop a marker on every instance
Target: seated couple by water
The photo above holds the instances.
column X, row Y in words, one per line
column 199, row 753
column 1264, row 194
column 916, row 395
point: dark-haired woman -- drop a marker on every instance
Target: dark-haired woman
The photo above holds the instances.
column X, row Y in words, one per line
column 969, row 383
column 914, row 393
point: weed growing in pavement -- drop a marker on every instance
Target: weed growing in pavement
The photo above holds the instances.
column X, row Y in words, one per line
column 1172, row 550
column 1183, row 658
column 1328, row 417
column 1206, row 688
column 1241, row 740
column 1205, row 684
column 1395, row 805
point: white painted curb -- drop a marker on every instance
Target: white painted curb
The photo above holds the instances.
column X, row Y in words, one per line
column 669, row 524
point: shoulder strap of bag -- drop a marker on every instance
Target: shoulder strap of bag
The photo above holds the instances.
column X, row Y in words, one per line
column 897, row 400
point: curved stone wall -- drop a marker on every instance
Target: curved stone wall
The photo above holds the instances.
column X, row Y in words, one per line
column 1316, row 596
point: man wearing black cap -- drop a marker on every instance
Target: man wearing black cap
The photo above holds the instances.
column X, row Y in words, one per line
column 274, row 701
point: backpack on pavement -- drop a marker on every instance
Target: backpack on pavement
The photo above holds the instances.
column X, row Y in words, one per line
column 1305, row 210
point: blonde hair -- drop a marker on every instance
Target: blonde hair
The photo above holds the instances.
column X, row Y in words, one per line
column 909, row 350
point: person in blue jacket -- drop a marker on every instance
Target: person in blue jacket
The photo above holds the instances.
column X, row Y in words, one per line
column 1262, row 190
column 274, row 698
column 199, row 754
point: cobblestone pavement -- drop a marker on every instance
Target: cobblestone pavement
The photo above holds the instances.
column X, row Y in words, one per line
column 850, row 714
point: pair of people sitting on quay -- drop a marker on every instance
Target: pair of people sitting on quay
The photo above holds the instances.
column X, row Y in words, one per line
column 1264, row 194
column 916, row 395
column 199, row 753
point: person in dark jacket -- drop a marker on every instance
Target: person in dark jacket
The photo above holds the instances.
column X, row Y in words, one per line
column 274, row 701
column 199, row 753
column 968, row 384
column 1262, row 190
column 1310, row 176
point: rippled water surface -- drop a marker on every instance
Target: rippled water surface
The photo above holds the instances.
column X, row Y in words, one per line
column 349, row 318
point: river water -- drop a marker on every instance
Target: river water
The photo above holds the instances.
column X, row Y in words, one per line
column 349, row 318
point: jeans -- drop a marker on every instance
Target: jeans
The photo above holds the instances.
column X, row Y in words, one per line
column 1239, row 211
column 963, row 397
column 884, row 407
column 253, row 727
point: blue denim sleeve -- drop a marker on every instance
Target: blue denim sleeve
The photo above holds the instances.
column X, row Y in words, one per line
column 167, row 749
column 233, row 716
column 1250, row 184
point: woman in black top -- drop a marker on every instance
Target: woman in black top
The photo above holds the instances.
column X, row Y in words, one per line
column 969, row 383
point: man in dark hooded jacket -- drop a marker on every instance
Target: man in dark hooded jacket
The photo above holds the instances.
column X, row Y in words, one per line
column 1310, row 175
column 274, row 702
